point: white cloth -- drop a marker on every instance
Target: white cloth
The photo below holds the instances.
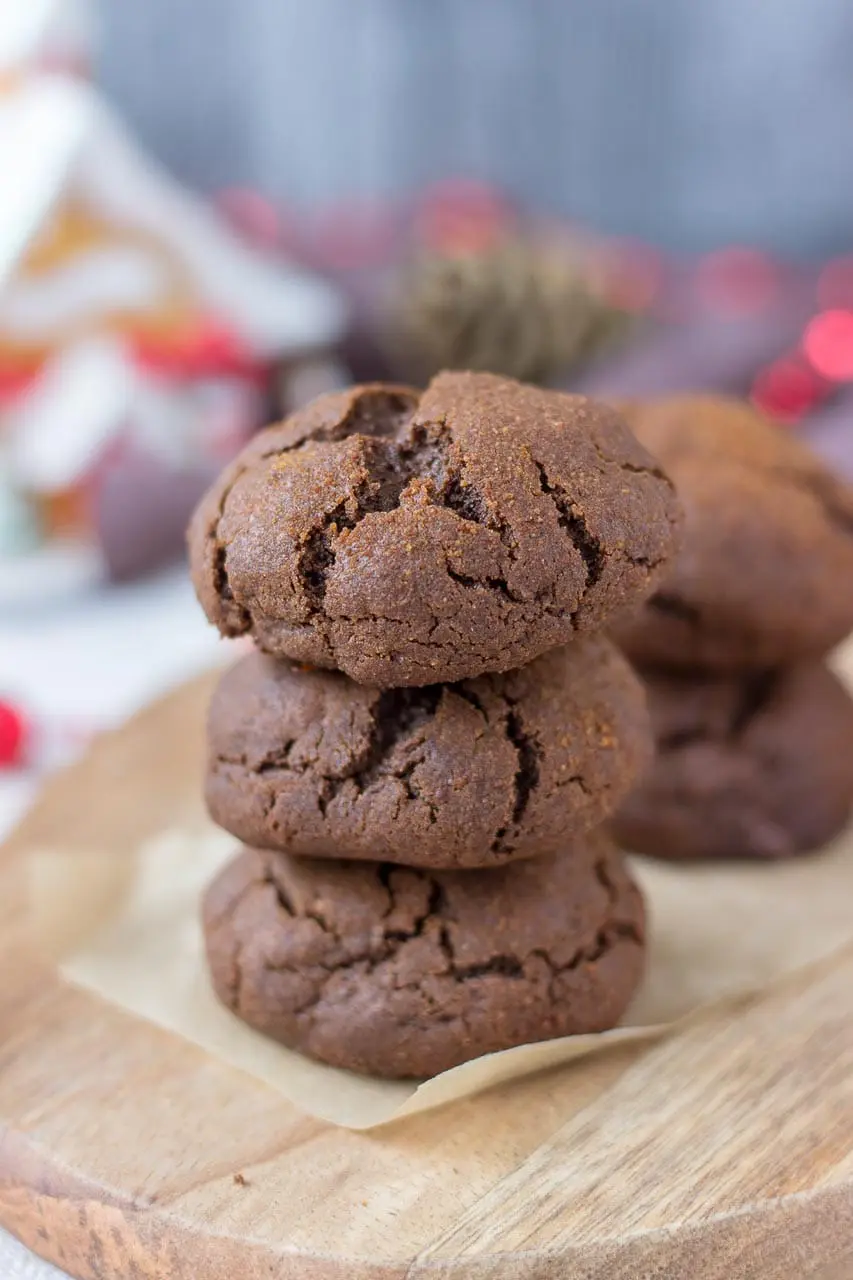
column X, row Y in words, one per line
column 98, row 660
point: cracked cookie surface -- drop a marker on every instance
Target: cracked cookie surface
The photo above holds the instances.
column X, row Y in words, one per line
column 403, row 973
column 465, row 775
column 758, row 766
column 409, row 538
column 765, row 572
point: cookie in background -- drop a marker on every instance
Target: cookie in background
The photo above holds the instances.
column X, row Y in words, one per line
column 754, row 733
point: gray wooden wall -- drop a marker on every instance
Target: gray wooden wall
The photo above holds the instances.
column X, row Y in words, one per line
column 688, row 122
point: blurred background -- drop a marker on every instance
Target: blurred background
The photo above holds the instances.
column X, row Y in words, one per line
column 689, row 125
column 211, row 212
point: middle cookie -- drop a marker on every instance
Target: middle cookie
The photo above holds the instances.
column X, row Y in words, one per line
column 465, row 775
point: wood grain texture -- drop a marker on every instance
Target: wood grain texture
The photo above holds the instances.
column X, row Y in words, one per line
column 723, row 1153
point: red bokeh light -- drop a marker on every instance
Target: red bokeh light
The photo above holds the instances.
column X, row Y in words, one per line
column 828, row 344
column 13, row 735
column 461, row 216
column 786, row 389
column 207, row 348
column 738, row 279
column 14, row 383
column 354, row 236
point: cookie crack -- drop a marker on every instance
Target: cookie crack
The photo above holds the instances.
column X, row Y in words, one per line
column 288, row 906
column 426, row 457
column 236, row 976
column 679, row 739
column 755, row 693
column 378, row 489
column 404, row 776
column 601, row 944
column 435, row 906
column 837, row 516
column 819, row 487
column 515, row 967
column 613, row 928
column 397, row 714
column 637, row 469
column 221, row 583
column 527, row 774
column 385, row 872
column 526, row 778
column 648, row 562
column 387, row 413
column 651, row 468
column 378, row 950
column 572, row 519
column 275, row 761
column 468, row 695
column 675, row 606
column 574, row 779
column 316, row 559
column 487, row 584
column 376, row 412
column 464, row 499
column 501, row 963
column 392, row 468
column 604, row 878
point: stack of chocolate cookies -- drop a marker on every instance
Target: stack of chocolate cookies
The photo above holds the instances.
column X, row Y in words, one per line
column 754, row 732
column 432, row 725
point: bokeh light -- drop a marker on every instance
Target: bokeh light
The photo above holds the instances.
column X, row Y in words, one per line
column 828, row 344
column 461, row 216
column 738, row 279
column 787, row 389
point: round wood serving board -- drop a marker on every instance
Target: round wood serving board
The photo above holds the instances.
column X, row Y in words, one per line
column 724, row 1152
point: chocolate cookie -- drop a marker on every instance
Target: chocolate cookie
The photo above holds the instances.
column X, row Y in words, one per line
column 765, row 572
column 466, row 775
column 398, row 972
column 759, row 766
column 409, row 538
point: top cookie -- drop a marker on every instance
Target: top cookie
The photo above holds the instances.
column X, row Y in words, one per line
column 409, row 538
column 765, row 572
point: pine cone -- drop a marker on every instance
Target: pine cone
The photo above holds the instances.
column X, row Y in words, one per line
column 523, row 310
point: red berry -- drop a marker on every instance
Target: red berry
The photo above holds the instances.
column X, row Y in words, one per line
column 12, row 736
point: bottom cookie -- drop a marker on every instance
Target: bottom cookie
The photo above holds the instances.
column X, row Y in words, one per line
column 402, row 973
column 759, row 766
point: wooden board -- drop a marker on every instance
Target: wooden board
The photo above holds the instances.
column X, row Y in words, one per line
column 723, row 1153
